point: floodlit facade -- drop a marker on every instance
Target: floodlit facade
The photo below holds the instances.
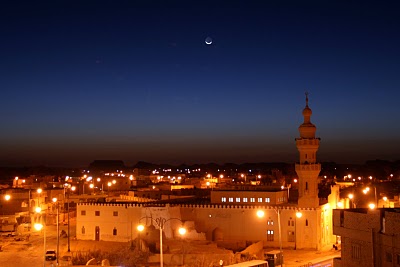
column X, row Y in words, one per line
column 232, row 216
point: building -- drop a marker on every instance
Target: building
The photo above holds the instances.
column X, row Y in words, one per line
column 232, row 216
column 369, row 237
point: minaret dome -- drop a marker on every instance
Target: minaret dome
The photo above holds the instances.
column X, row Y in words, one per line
column 307, row 129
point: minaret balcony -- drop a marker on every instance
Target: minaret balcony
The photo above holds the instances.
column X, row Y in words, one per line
column 307, row 141
column 308, row 167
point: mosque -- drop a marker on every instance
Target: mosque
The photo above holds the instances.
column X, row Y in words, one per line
column 233, row 216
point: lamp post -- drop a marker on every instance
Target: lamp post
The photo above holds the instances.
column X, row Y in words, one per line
column 58, row 228
column 298, row 215
column 68, row 235
column 38, row 227
column 261, row 214
column 182, row 232
column 39, row 191
column 351, row 204
column 161, row 224
column 384, row 199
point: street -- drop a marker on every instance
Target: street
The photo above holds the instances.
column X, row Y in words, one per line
column 31, row 252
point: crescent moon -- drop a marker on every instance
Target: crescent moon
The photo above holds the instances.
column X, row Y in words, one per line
column 208, row 40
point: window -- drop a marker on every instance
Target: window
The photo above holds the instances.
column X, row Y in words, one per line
column 398, row 259
column 115, row 213
column 292, row 223
column 115, row 231
column 260, row 199
column 83, row 230
column 267, row 199
column 356, row 251
column 83, row 212
column 388, row 257
column 231, row 199
column 245, row 199
column 270, row 222
column 306, row 185
column 252, row 199
column 223, row 199
column 270, row 235
column 306, row 222
column 238, row 199
column 97, row 213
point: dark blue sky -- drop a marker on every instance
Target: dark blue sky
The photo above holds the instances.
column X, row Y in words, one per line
column 85, row 80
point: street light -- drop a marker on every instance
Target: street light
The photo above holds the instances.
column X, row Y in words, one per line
column 38, row 227
column 39, row 191
column 73, row 188
column 58, row 228
column 298, row 215
column 7, row 197
column 351, row 203
column 161, row 224
column 260, row 214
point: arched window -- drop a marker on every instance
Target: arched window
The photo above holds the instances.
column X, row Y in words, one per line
column 83, row 230
column 115, row 231
column 306, row 185
column 306, row 222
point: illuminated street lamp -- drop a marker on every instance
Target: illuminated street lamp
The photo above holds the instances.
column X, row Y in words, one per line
column 261, row 214
column 58, row 228
column 73, row 188
column 371, row 206
column 385, row 199
column 161, row 224
column 351, row 203
column 298, row 215
column 7, row 197
column 38, row 227
column 39, row 191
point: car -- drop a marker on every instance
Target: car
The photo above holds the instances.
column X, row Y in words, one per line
column 51, row 255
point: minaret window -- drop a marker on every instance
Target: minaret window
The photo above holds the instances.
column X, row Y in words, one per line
column 306, row 185
column 306, row 222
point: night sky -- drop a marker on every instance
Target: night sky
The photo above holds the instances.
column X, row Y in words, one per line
column 130, row 80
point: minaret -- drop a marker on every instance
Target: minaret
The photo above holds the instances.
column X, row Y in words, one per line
column 308, row 169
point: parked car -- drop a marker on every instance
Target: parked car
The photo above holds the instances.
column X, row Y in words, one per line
column 51, row 255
